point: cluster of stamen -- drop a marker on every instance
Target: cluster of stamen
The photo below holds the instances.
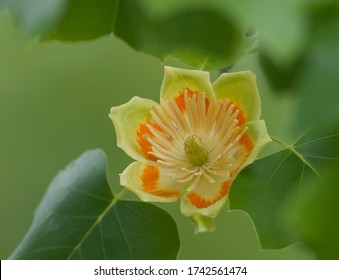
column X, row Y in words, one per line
column 197, row 141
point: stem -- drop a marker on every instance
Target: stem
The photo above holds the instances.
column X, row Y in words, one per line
column 121, row 194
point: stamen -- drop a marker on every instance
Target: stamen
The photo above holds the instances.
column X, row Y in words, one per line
column 199, row 141
column 194, row 170
column 208, row 178
column 194, row 184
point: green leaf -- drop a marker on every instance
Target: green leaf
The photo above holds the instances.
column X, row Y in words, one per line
column 269, row 189
column 85, row 20
column 203, row 36
column 282, row 25
column 80, row 218
column 35, row 16
column 317, row 220
column 318, row 87
column 282, row 77
column 217, row 44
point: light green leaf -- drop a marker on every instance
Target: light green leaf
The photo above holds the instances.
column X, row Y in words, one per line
column 282, row 25
column 80, row 218
column 269, row 189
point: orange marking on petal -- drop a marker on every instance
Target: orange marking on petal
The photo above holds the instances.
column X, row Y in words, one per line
column 246, row 141
column 241, row 116
column 149, row 178
column 200, row 202
column 180, row 99
column 150, row 182
column 247, row 146
column 142, row 135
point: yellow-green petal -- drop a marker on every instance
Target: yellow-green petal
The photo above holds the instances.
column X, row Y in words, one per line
column 241, row 89
column 127, row 119
column 260, row 138
column 150, row 183
column 177, row 80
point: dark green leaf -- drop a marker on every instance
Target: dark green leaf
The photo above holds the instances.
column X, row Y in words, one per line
column 269, row 189
column 204, row 39
column 281, row 77
column 79, row 218
column 203, row 36
column 85, row 20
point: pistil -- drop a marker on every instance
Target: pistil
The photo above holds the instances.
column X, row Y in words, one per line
column 195, row 150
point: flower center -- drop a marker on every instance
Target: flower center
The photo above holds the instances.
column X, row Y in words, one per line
column 197, row 138
column 195, row 150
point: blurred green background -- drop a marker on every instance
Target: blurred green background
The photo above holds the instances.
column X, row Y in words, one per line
column 54, row 104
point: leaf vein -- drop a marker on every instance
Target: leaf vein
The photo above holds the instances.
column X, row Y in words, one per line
column 90, row 195
column 272, row 175
column 320, row 157
column 147, row 236
column 143, row 216
column 76, row 217
column 144, row 250
column 47, row 249
column 115, row 13
column 123, row 234
column 318, row 139
column 96, row 222
column 102, row 241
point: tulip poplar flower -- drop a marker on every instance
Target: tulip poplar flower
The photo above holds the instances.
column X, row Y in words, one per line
column 194, row 143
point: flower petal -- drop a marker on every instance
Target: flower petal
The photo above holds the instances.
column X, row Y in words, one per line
column 241, row 89
column 202, row 223
column 206, row 199
column 257, row 132
column 129, row 121
column 176, row 81
column 150, row 183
